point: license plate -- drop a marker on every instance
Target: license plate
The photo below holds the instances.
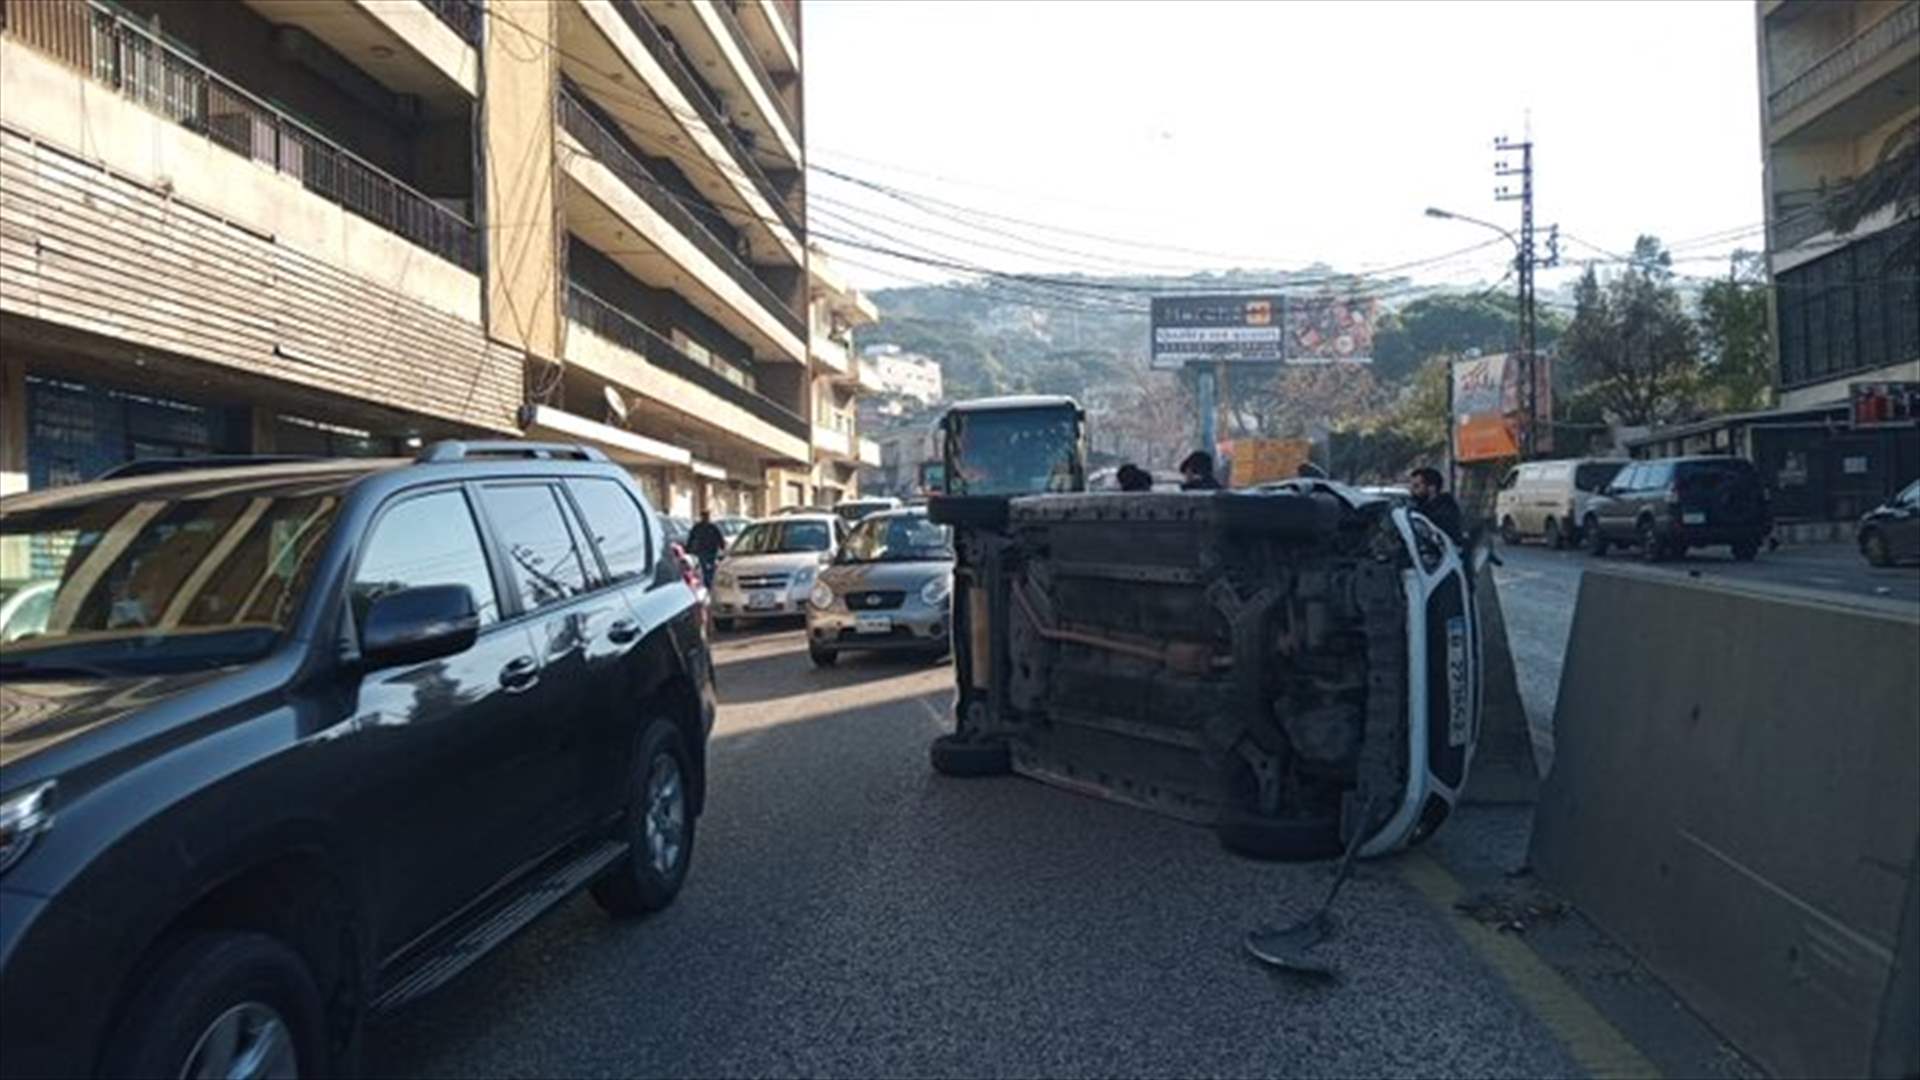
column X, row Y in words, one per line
column 872, row 624
column 1693, row 517
column 762, row 601
column 1459, row 707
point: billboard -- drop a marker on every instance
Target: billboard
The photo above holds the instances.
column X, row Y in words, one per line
column 1490, row 408
column 1267, row 328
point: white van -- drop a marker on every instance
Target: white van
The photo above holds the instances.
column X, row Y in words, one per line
column 1548, row 499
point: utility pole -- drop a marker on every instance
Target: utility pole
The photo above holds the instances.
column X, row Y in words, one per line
column 1525, row 261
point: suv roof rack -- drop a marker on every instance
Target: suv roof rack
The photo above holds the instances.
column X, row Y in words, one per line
column 463, row 450
column 155, row 466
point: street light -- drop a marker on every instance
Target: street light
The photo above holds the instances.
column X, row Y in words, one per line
column 1448, row 215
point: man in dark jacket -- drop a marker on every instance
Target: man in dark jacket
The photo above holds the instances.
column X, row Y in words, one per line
column 1196, row 472
column 705, row 542
column 1431, row 499
column 1134, row 478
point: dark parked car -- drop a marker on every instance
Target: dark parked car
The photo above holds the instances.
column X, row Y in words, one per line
column 1666, row 506
column 299, row 742
column 1890, row 533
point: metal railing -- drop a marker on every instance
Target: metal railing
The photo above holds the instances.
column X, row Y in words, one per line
column 760, row 72
column 462, row 16
column 790, row 14
column 128, row 58
column 696, row 91
column 1858, row 51
column 610, row 150
column 1801, row 215
column 610, row 322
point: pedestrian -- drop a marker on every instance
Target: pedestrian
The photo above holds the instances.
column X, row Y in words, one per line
column 705, row 542
column 1196, row 472
column 1135, row 478
column 1309, row 471
column 1434, row 502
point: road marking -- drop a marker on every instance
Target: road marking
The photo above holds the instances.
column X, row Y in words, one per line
column 1595, row 1044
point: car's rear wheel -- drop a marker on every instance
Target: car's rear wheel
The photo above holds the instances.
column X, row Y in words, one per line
column 1652, row 548
column 223, row 1004
column 658, row 828
column 822, row 657
column 954, row 756
column 1873, row 544
column 1509, row 532
column 1556, row 537
column 1596, row 543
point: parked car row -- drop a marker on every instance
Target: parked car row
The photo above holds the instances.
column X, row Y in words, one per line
column 284, row 745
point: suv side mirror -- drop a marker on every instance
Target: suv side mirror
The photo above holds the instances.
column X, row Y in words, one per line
column 425, row 623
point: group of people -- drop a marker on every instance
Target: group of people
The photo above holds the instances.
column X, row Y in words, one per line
column 1426, row 486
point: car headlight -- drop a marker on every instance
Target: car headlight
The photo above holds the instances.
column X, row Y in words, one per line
column 936, row 591
column 822, row 596
column 24, row 815
column 803, row 577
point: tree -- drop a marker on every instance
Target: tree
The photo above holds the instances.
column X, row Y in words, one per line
column 1433, row 325
column 1736, row 337
column 1295, row 400
column 1630, row 345
column 1893, row 180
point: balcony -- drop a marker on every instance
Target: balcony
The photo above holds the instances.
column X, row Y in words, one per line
column 869, row 453
column 611, row 150
column 125, row 57
column 1865, row 51
column 608, row 321
column 463, row 17
column 707, row 108
column 744, row 43
column 832, row 442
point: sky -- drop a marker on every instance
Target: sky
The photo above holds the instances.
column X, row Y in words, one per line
column 1275, row 134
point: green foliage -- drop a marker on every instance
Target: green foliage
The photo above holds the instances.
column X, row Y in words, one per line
column 1631, row 347
column 1736, row 337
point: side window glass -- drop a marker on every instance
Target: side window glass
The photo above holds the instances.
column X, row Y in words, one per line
column 429, row 540
column 616, row 524
column 1656, row 477
column 1512, row 478
column 541, row 555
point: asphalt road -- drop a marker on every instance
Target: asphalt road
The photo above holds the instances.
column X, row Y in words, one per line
column 1538, row 587
column 852, row 914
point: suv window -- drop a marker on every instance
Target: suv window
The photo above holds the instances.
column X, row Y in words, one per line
column 1628, row 479
column 1594, row 476
column 542, row 557
column 1655, row 475
column 619, row 528
column 425, row 540
column 1911, row 497
column 1702, row 477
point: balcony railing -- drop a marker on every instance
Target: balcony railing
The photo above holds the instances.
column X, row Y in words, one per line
column 612, row 152
column 124, row 56
column 1801, row 215
column 790, row 14
column 741, row 42
column 1862, row 49
column 463, row 16
column 697, row 92
column 622, row 329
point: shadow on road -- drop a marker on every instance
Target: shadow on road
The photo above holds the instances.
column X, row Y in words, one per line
column 776, row 669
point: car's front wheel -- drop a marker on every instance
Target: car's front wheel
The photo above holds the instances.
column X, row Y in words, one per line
column 658, row 828
column 1509, row 532
column 1652, row 548
column 1873, row 544
column 1596, row 543
column 822, row 658
column 223, row 1004
column 1556, row 536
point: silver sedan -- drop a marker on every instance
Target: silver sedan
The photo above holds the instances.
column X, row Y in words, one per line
column 889, row 588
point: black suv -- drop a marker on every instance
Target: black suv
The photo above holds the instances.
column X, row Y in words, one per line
column 293, row 743
column 1666, row 506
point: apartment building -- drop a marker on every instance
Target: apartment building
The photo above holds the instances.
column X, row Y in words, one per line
column 1838, row 81
column 890, row 371
column 351, row 226
column 840, row 449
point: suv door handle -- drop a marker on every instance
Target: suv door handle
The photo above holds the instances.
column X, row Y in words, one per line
column 623, row 631
column 520, row 674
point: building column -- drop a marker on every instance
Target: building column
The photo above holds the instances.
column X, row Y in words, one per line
column 521, row 76
column 13, row 424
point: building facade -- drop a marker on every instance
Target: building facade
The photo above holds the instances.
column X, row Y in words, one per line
column 272, row 226
column 1839, row 82
column 892, row 372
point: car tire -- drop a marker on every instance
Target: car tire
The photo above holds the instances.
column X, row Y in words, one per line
column 1596, row 541
column 954, row 756
column 1556, row 537
column 1282, row 841
column 725, row 626
column 1747, row 550
column 822, row 658
column 214, row 983
column 658, row 827
column 1873, row 544
column 1509, row 532
column 1652, row 548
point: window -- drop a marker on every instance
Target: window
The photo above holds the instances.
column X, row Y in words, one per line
column 1593, row 477
column 542, row 558
column 898, row 538
column 429, row 540
column 1911, row 497
column 1848, row 311
column 1507, row 482
column 619, row 528
column 1655, row 475
column 1629, row 478
column 783, row 538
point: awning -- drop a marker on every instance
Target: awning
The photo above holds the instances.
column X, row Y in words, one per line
column 625, row 447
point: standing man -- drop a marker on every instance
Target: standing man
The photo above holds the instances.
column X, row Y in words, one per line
column 705, row 542
column 1431, row 499
column 1196, row 472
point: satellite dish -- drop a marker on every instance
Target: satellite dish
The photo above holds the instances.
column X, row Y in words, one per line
column 616, row 405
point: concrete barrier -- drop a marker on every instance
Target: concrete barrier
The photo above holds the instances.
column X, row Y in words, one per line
column 1504, row 770
column 1735, row 797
